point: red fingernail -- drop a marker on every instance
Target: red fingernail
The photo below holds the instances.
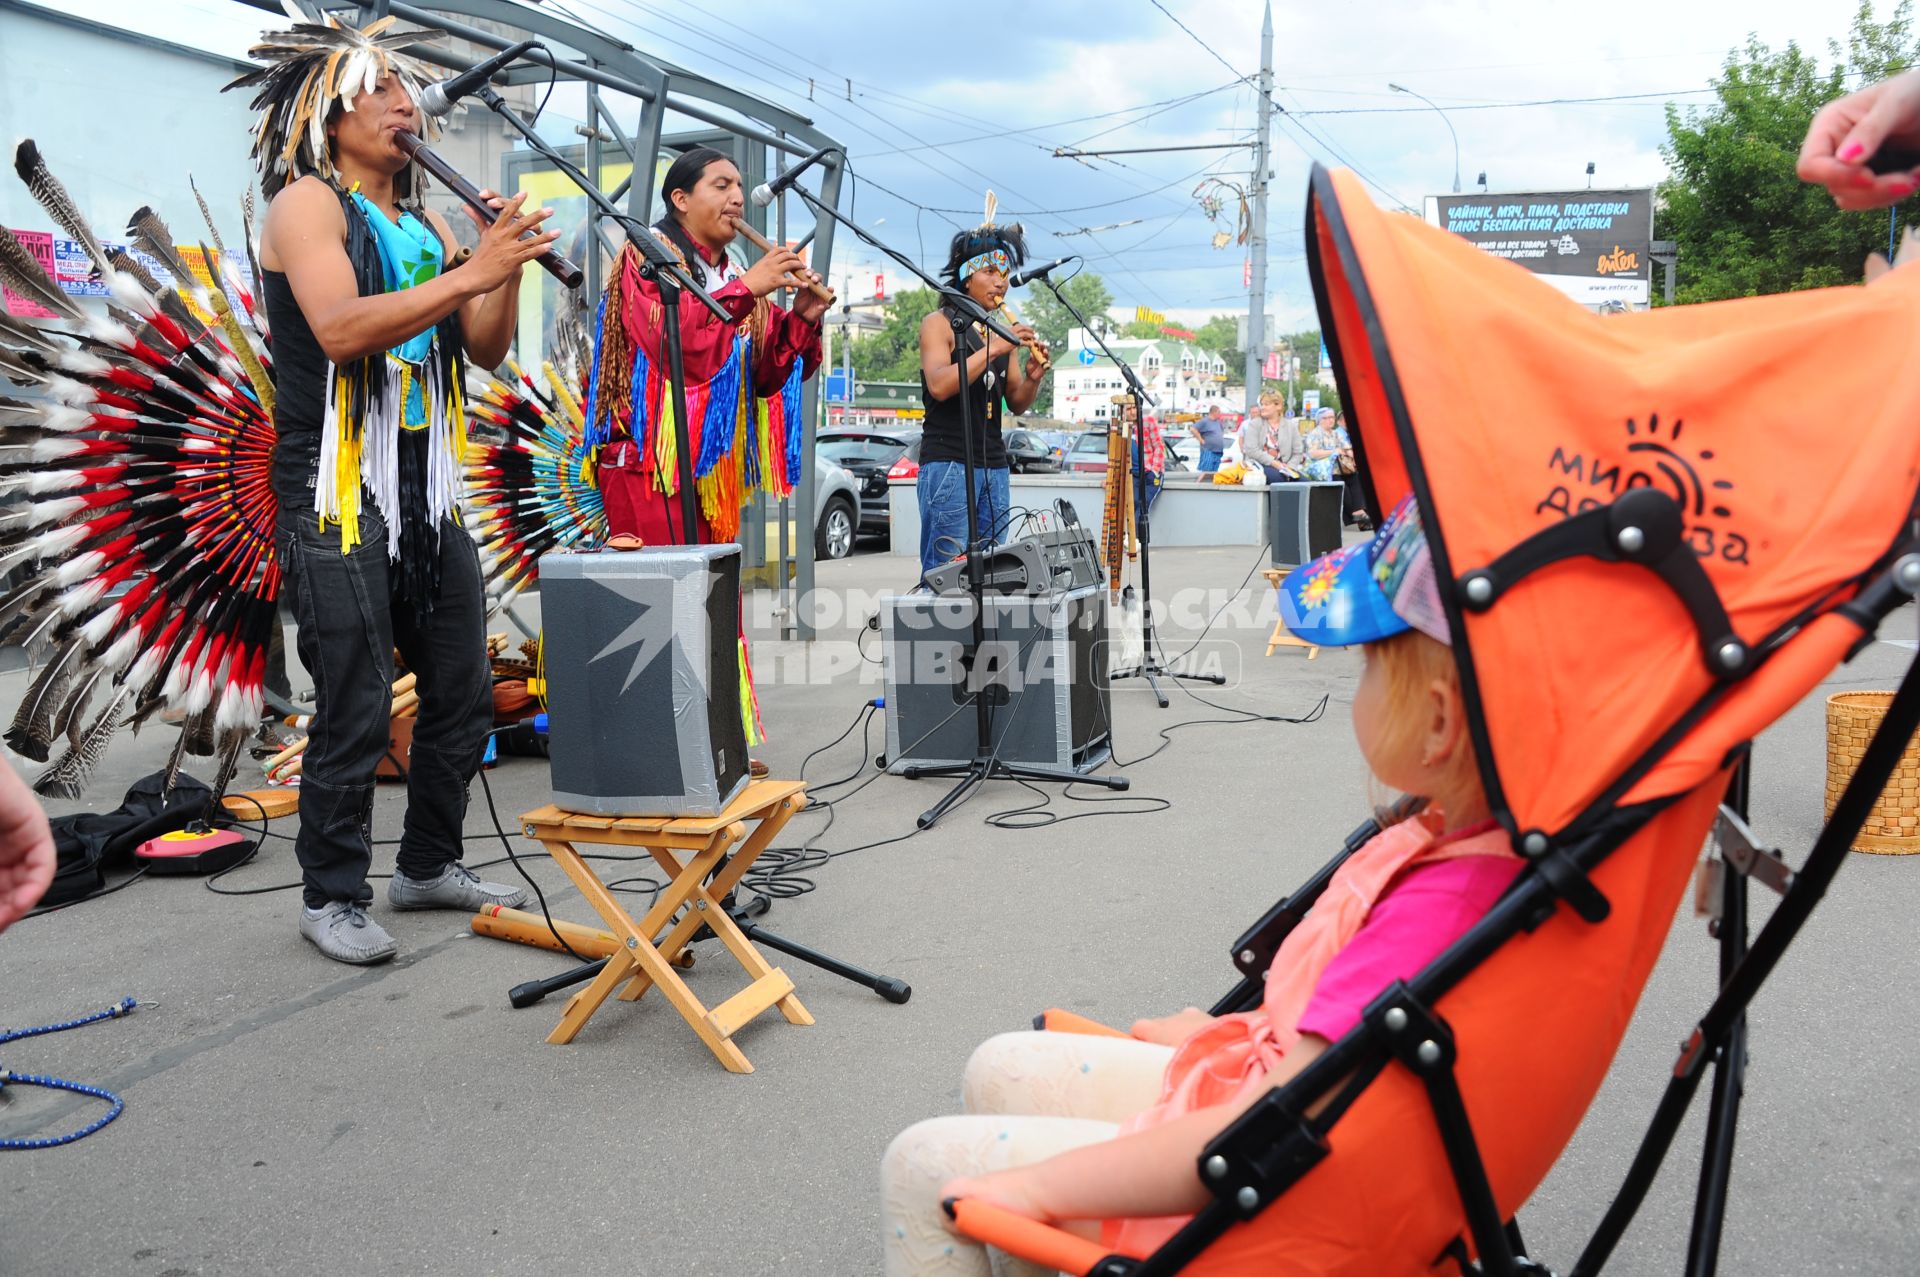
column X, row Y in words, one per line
column 1851, row 152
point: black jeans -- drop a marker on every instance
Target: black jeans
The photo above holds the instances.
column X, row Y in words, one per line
column 1350, row 499
column 349, row 623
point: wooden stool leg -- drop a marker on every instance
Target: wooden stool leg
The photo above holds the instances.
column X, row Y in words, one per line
column 640, row 950
column 582, row 1005
column 682, row 878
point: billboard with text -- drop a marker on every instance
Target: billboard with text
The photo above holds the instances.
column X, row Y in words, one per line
column 1595, row 246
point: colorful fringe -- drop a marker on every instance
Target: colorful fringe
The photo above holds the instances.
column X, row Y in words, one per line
column 740, row 444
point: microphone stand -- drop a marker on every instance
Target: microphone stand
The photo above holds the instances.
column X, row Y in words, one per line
column 962, row 313
column 665, row 272
column 672, row 279
column 1150, row 667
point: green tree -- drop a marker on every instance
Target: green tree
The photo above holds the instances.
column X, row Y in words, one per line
column 1744, row 223
column 1089, row 294
column 893, row 353
column 1305, row 346
column 1221, row 336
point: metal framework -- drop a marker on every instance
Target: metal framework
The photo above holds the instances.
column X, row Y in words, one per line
column 757, row 128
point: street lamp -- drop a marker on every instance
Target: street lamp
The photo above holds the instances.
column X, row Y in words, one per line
column 1400, row 88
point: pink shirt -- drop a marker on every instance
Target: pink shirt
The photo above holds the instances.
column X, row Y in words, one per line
column 1427, row 909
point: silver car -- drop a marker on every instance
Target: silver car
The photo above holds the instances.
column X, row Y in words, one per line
column 837, row 509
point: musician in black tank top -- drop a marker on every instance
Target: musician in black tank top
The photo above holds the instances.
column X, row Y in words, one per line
column 371, row 335
column 978, row 261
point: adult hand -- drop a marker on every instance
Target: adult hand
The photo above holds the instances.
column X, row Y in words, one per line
column 1851, row 130
column 502, row 252
column 771, row 271
column 808, row 305
column 26, row 848
column 1036, row 363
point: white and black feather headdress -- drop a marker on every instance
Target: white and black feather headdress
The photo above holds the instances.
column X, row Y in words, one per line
column 311, row 70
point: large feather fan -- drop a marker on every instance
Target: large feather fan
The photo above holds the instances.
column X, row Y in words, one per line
column 533, row 492
column 142, row 518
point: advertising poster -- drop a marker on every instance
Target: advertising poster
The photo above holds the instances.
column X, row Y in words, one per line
column 1594, row 246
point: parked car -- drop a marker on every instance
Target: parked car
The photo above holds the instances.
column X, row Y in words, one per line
column 1028, row 453
column 1088, row 455
column 868, row 455
column 836, row 493
column 1187, row 448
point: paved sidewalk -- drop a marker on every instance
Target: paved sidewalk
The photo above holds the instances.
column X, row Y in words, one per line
column 285, row 1114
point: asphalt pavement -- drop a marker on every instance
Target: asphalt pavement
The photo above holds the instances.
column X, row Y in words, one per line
column 288, row 1115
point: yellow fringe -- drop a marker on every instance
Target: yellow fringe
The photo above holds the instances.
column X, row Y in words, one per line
column 576, row 414
column 665, row 454
column 347, row 484
column 458, row 432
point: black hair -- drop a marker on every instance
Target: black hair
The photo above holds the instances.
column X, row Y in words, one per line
column 968, row 245
column 683, row 175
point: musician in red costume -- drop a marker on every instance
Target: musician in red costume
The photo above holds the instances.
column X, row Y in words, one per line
column 744, row 436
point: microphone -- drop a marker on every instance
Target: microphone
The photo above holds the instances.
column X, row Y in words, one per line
column 437, row 99
column 1028, row 274
column 765, row 193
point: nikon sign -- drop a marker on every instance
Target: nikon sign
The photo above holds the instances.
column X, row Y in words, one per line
column 1593, row 246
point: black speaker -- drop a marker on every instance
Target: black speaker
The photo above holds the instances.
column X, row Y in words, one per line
column 1303, row 521
column 643, row 680
column 1042, row 669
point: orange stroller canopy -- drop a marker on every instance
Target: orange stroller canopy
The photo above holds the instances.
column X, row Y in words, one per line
column 1782, row 428
column 1651, row 534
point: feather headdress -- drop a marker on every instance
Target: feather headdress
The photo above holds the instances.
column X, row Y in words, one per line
column 986, row 244
column 142, row 520
column 311, row 70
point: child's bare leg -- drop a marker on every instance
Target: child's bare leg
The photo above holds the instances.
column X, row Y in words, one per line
column 928, row 1154
column 1064, row 1075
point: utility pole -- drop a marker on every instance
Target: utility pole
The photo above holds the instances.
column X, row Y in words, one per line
column 1257, row 242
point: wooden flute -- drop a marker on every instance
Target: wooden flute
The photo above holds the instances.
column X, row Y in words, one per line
column 556, row 265
column 1038, row 347
column 765, row 245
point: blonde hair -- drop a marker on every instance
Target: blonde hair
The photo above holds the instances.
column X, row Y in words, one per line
column 1411, row 662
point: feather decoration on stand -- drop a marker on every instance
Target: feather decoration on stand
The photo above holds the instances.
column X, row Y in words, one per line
column 143, row 515
column 533, row 492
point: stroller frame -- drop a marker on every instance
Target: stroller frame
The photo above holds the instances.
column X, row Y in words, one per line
column 1275, row 1142
column 1283, row 1135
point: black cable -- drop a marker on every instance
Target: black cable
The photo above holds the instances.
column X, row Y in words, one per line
column 487, row 788
column 1167, row 662
column 553, row 75
column 1039, row 814
column 124, row 883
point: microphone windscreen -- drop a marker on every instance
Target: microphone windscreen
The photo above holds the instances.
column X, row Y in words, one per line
column 762, row 195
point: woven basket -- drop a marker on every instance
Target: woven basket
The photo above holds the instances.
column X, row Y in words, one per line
column 1892, row 828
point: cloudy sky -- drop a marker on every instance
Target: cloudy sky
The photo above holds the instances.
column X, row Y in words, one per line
column 946, row 101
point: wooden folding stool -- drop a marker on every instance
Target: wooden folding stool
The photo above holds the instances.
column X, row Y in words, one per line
column 688, row 848
column 1282, row 636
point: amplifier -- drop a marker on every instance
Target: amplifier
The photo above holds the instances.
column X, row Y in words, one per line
column 643, row 680
column 1043, row 671
column 1062, row 559
column 1303, row 521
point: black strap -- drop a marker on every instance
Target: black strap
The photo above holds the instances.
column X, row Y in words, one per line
column 1641, row 525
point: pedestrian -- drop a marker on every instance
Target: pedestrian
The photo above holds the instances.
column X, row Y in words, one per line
column 1211, row 431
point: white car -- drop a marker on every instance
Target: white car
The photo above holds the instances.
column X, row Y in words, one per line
column 1187, row 448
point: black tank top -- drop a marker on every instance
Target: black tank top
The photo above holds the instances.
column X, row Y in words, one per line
column 299, row 395
column 986, row 397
